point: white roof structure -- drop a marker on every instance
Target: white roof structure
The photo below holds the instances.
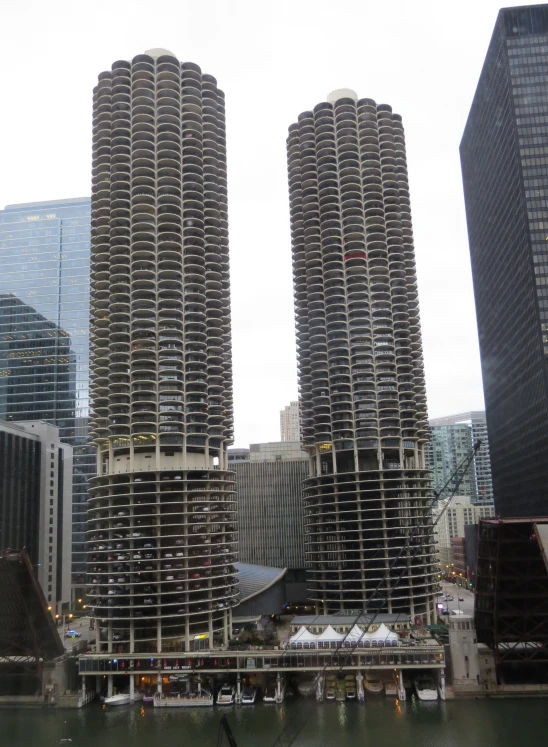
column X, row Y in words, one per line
column 303, row 636
column 356, row 634
column 330, row 634
column 383, row 634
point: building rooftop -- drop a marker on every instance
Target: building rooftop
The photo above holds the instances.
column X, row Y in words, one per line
column 47, row 203
column 254, row 579
column 346, row 618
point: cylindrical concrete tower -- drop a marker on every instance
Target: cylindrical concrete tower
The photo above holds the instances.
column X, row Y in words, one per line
column 162, row 535
column 362, row 386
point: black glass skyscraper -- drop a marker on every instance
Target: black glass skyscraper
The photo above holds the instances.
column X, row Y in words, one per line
column 504, row 155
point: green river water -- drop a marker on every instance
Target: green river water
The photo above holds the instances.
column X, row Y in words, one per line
column 380, row 723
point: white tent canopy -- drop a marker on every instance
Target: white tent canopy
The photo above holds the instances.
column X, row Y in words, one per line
column 330, row 634
column 303, row 636
column 384, row 634
column 356, row 634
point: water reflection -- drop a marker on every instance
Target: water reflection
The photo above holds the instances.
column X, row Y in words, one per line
column 380, row 722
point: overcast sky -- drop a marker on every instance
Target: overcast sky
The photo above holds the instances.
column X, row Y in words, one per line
column 273, row 60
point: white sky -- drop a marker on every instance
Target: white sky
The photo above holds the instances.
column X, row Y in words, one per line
column 273, row 60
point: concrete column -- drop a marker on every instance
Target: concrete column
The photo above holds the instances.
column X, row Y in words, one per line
column 187, row 633
column 210, row 629
column 109, row 636
column 226, row 623
column 159, row 636
column 159, row 683
column 131, row 637
column 199, row 684
column 238, row 687
column 442, row 684
column 83, row 687
column 97, row 636
column 279, row 687
column 131, row 688
column 109, row 685
column 401, row 689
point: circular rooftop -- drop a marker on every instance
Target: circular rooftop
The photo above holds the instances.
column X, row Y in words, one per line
column 159, row 52
column 341, row 93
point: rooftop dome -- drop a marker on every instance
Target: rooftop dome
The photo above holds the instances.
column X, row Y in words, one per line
column 159, row 52
column 341, row 93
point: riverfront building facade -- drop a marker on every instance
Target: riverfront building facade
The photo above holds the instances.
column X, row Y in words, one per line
column 362, row 386
column 162, row 535
column 505, row 181
column 44, row 335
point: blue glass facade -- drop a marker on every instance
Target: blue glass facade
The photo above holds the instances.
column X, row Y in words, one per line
column 44, row 332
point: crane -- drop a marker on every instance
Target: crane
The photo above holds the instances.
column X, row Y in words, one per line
column 376, row 602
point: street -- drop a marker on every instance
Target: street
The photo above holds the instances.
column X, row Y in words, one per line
column 466, row 606
column 80, row 625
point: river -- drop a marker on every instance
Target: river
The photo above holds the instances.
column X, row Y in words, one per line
column 380, row 723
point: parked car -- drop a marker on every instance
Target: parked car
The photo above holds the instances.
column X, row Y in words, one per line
column 72, row 634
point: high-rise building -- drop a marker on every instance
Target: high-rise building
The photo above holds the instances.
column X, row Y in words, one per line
column 162, row 510
column 449, row 445
column 452, row 437
column 44, row 334
column 270, row 505
column 290, row 422
column 361, row 376
column 455, row 514
column 36, row 503
column 504, row 156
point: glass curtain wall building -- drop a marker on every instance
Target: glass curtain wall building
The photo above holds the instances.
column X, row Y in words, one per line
column 44, row 333
column 504, row 157
column 452, row 439
column 361, row 376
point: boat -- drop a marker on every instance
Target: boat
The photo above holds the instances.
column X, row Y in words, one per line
column 391, row 689
column 226, row 695
column 123, row 699
column 426, row 689
column 148, row 696
column 330, row 687
column 270, row 693
column 373, row 684
column 307, row 686
column 249, row 694
column 350, row 686
column 187, row 700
